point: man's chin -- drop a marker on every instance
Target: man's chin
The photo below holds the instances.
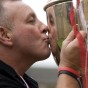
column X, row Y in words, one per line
column 46, row 56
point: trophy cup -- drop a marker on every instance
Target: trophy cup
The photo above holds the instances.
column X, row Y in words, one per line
column 61, row 11
column 64, row 21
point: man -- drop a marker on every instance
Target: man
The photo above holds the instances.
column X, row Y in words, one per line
column 23, row 41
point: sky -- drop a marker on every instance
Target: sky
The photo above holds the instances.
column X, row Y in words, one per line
column 37, row 6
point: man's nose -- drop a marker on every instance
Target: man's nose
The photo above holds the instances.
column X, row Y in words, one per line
column 44, row 28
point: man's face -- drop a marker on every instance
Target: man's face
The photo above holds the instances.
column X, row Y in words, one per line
column 28, row 33
column 53, row 32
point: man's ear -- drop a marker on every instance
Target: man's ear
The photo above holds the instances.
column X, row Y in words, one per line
column 5, row 36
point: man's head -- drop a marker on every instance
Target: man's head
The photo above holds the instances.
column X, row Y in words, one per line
column 52, row 24
column 4, row 19
column 21, row 33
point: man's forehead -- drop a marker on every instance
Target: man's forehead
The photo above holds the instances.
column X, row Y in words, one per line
column 17, row 6
column 18, row 9
column 14, row 4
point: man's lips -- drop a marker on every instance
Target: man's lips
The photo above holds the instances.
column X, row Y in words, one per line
column 47, row 40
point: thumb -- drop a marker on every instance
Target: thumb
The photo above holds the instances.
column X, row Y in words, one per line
column 84, row 34
column 69, row 38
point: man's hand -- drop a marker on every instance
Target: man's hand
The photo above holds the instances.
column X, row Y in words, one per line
column 70, row 52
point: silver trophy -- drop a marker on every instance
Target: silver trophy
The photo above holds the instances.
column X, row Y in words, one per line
column 60, row 11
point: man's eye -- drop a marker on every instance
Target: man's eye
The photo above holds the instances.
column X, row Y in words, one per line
column 51, row 21
column 31, row 21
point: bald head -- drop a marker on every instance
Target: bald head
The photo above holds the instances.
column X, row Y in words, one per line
column 4, row 19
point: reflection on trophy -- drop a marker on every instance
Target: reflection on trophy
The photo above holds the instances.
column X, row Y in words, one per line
column 61, row 15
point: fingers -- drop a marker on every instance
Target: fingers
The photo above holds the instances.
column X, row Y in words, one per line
column 84, row 34
column 75, row 42
column 72, row 40
column 70, row 37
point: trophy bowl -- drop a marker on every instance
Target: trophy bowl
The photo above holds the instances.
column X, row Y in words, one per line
column 61, row 15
